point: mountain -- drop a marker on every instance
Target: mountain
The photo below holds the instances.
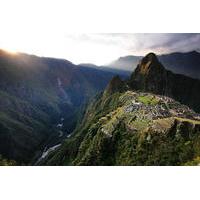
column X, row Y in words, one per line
column 137, row 122
column 127, row 63
column 150, row 75
column 182, row 63
column 123, row 73
column 41, row 100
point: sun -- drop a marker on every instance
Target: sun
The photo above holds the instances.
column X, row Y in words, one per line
column 11, row 52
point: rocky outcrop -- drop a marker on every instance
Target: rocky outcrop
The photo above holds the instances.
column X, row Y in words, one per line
column 150, row 75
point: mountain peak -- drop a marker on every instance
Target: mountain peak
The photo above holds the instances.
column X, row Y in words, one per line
column 150, row 63
column 149, row 75
column 150, row 57
column 115, row 85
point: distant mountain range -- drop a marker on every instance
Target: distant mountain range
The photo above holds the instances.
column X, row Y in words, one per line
column 123, row 73
column 182, row 63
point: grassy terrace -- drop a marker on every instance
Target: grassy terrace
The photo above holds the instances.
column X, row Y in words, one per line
column 148, row 100
column 112, row 119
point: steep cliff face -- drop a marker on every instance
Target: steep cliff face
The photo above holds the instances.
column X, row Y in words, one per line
column 150, row 75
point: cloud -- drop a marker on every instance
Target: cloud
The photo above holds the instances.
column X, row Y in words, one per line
column 140, row 43
column 99, row 48
column 166, row 43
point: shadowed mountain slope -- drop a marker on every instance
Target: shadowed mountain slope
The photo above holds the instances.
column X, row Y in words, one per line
column 35, row 94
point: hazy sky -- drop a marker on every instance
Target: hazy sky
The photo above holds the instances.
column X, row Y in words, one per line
column 42, row 28
column 98, row 48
